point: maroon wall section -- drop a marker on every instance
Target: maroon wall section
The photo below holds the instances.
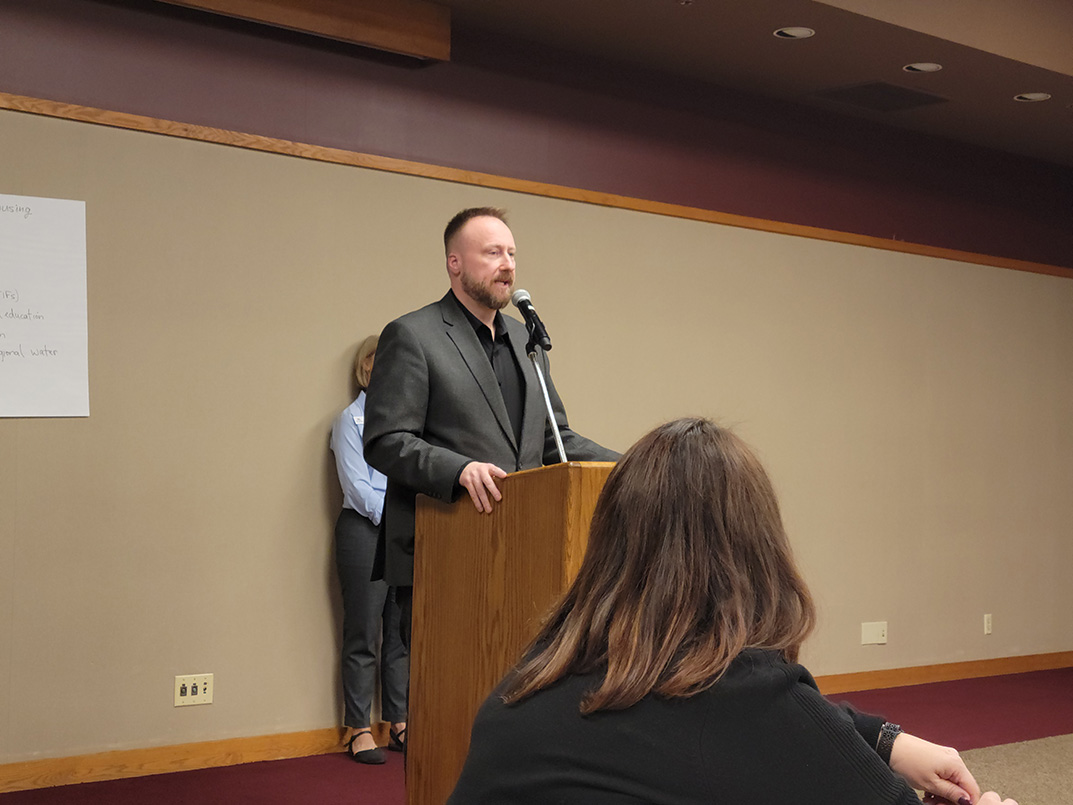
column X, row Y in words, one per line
column 516, row 110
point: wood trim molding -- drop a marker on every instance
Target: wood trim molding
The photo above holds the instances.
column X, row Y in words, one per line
column 87, row 114
column 410, row 27
column 117, row 765
column 157, row 760
column 923, row 674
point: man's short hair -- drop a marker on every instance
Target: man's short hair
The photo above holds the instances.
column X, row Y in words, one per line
column 460, row 220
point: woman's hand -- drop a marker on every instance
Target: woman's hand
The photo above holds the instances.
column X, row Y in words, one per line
column 990, row 798
column 937, row 770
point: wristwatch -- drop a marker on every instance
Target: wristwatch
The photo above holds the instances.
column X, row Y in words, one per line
column 887, row 733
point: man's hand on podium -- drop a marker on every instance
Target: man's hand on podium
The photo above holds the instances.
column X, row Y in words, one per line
column 479, row 480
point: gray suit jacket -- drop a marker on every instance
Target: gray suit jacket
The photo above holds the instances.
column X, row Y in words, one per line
column 433, row 405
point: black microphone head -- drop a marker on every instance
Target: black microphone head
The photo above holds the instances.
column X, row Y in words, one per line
column 519, row 296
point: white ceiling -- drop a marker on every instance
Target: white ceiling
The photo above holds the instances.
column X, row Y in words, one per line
column 991, row 50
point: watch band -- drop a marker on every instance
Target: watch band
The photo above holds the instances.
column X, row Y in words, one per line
column 887, row 733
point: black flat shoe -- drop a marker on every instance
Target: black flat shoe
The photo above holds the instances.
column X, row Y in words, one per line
column 371, row 757
column 396, row 740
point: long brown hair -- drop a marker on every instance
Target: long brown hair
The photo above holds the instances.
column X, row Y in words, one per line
column 687, row 565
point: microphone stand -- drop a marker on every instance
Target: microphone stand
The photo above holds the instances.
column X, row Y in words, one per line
column 530, row 348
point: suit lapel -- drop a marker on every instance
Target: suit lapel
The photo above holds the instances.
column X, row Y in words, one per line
column 465, row 340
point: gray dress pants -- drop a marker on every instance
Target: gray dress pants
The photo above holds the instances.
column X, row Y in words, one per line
column 370, row 617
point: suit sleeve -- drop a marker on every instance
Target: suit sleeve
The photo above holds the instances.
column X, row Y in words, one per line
column 395, row 413
column 577, row 447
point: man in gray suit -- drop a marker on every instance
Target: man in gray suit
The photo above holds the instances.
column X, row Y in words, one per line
column 454, row 402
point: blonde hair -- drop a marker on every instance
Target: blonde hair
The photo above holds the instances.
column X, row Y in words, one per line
column 365, row 349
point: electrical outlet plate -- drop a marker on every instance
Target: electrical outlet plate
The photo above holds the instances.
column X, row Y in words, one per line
column 193, row 689
column 874, row 633
column 987, row 623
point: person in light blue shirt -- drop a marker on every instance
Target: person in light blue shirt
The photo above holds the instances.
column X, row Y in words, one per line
column 369, row 610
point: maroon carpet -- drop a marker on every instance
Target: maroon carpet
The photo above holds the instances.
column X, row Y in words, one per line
column 333, row 779
column 966, row 714
column 971, row 713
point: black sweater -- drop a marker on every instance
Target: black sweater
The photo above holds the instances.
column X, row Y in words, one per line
column 763, row 734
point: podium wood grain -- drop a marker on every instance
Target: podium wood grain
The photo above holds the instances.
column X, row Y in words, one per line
column 482, row 583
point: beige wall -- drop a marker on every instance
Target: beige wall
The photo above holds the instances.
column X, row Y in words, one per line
column 916, row 414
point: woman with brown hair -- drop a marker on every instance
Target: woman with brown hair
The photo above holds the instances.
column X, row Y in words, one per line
column 667, row 673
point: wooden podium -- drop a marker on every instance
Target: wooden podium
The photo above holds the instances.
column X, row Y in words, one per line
column 482, row 583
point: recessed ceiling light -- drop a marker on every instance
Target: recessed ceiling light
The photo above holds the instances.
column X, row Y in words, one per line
column 1032, row 97
column 794, row 33
column 923, row 67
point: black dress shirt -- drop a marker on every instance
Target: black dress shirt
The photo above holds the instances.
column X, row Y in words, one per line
column 504, row 364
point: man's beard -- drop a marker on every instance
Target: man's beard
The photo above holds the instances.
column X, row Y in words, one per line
column 485, row 294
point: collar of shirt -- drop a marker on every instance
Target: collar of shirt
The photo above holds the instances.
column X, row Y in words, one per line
column 484, row 334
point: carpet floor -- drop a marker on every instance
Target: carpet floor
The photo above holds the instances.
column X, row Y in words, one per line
column 971, row 713
column 332, row 779
column 1015, row 733
column 1036, row 772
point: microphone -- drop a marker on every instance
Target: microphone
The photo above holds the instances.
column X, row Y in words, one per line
column 538, row 334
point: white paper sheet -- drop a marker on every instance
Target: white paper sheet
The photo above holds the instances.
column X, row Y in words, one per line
column 44, row 355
